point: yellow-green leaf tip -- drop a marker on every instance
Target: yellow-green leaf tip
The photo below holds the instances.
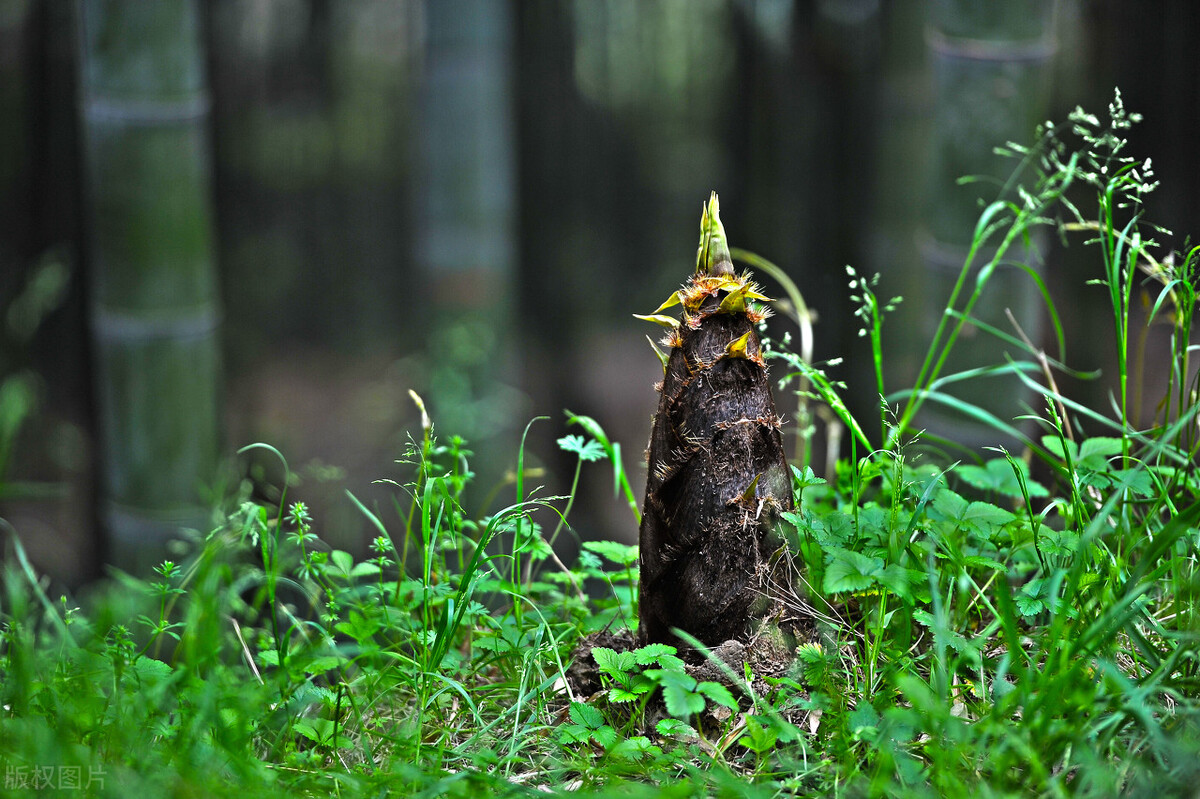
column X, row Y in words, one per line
column 735, row 300
column 671, row 301
column 662, row 356
column 738, row 347
column 659, row 319
column 712, row 257
column 747, row 497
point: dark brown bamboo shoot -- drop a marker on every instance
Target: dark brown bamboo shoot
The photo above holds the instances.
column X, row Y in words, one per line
column 718, row 478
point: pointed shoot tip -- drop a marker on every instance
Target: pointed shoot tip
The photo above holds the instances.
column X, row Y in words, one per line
column 712, row 257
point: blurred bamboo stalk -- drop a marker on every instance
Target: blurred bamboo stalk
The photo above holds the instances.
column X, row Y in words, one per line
column 15, row 221
column 467, row 236
column 991, row 66
column 153, row 288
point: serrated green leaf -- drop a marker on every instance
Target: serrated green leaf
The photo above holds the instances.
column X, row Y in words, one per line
column 606, row 736
column 321, row 731
column 536, row 547
column 586, row 715
column 841, row 527
column 358, row 626
column 918, row 583
column 863, row 720
column 638, row 747
column 718, row 693
column 147, row 668
column 981, row 562
column 874, row 525
column 636, row 685
column 847, row 570
column 1054, row 445
column 652, row 652
column 997, row 475
column 958, row 642
column 810, row 653
column 672, row 728
column 923, row 617
column 961, row 644
column 833, row 529
column 588, row 450
column 342, row 562
column 985, row 517
column 662, row 654
column 491, row 642
column 605, row 658
column 613, row 449
column 896, row 579
column 1057, row 543
column 799, row 519
column 947, row 505
column 1099, row 448
column 365, row 570
column 759, row 737
column 805, row 479
column 323, row 663
column 574, row 734
column 944, row 635
column 622, row 554
column 1029, row 605
column 1137, row 481
column 930, row 485
column 681, row 702
column 679, row 692
column 307, row 730
column 982, row 477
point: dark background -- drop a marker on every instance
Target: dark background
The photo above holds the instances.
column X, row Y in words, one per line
column 596, row 130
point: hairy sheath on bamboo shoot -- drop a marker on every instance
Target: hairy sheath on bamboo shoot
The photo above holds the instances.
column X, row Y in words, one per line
column 718, row 479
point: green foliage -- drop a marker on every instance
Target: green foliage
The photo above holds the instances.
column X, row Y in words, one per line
column 1024, row 624
column 629, row 680
column 1000, row 631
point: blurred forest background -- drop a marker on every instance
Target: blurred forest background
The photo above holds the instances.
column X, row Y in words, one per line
column 267, row 220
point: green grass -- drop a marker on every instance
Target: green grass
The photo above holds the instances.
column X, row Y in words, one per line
column 1020, row 624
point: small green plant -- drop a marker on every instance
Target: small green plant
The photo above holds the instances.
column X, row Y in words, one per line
column 164, row 591
column 632, row 676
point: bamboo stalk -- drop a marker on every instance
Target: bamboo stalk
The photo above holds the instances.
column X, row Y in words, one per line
column 467, row 234
column 991, row 66
column 154, row 307
column 15, row 221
